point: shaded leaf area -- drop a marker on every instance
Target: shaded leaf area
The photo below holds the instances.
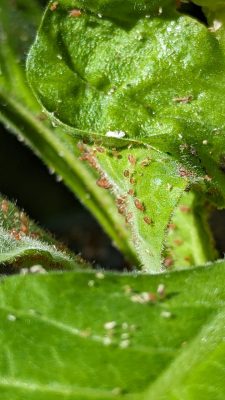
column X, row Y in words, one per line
column 113, row 336
column 22, row 115
column 24, row 244
column 189, row 241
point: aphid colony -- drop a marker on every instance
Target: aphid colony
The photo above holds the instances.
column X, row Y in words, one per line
column 90, row 156
column 18, row 219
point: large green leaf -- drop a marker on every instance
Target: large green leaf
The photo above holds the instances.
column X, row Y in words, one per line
column 87, row 336
column 147, row 80
column 23, row 243
column 21, row 113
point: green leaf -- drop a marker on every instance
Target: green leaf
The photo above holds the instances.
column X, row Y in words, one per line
column 55, row 344
column 189, row 241
column 22, row 115
column 141, row 77
column 23, row 243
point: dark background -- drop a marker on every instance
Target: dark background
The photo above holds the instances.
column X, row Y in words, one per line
column 24, row 178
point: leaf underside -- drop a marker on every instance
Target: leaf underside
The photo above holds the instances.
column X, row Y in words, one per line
column 24, row 244
column 170, row 348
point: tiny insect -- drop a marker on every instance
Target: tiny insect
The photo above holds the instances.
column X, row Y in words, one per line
column 148, row 220
column 5, row 206
column 126, row 173
column 75, row 13
column 54, row 6
column 139, row 205
column 131, row 159
column 184, row 100
column 103, row 183
column 185, row 209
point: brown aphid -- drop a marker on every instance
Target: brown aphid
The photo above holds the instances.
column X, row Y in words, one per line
column 120, row 200
column 23, row 218
column 184, row 173
column 148, row 220
column 81, row 147
column 185, row 209
column 129, row 217
column 24, row 229
column 131, row 192
column 171, row 227
column 100, row 149
column 178, row 242
column 121, row 209
column 168, row 262
column 5, row 206
column 75, row 13
column 126, row 173
column 139, row 205
column 103, row 183
column 15, row 234
column 54, row 6
column 90, row 159
column 131, row 159
column 132, row 180
column 184, row 100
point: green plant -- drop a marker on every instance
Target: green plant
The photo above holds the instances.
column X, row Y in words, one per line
column 134, row 92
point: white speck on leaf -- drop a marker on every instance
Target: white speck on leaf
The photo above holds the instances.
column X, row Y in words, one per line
column 110, row 325
column 11, row 317
column 115, row 134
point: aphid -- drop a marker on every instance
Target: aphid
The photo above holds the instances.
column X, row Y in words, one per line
column 103, row 183
column 90, row 159
column 24, row 229
column 75, row 13
column 81, row 146
column 5, row 206
column 126, row 173
column 171, row 227
column 185, row 209
column 54, row 6
column 15, row 234
column 100, row 149
column 131, row 192
column 184, row 173
column 168, row 262
column 184, row 100
column 129, row 217
column 139, row 205
column 148, row 220
column 132, row 180
column 145, row 162
column 131, row 159
column 120, row 200
column 178, row 242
